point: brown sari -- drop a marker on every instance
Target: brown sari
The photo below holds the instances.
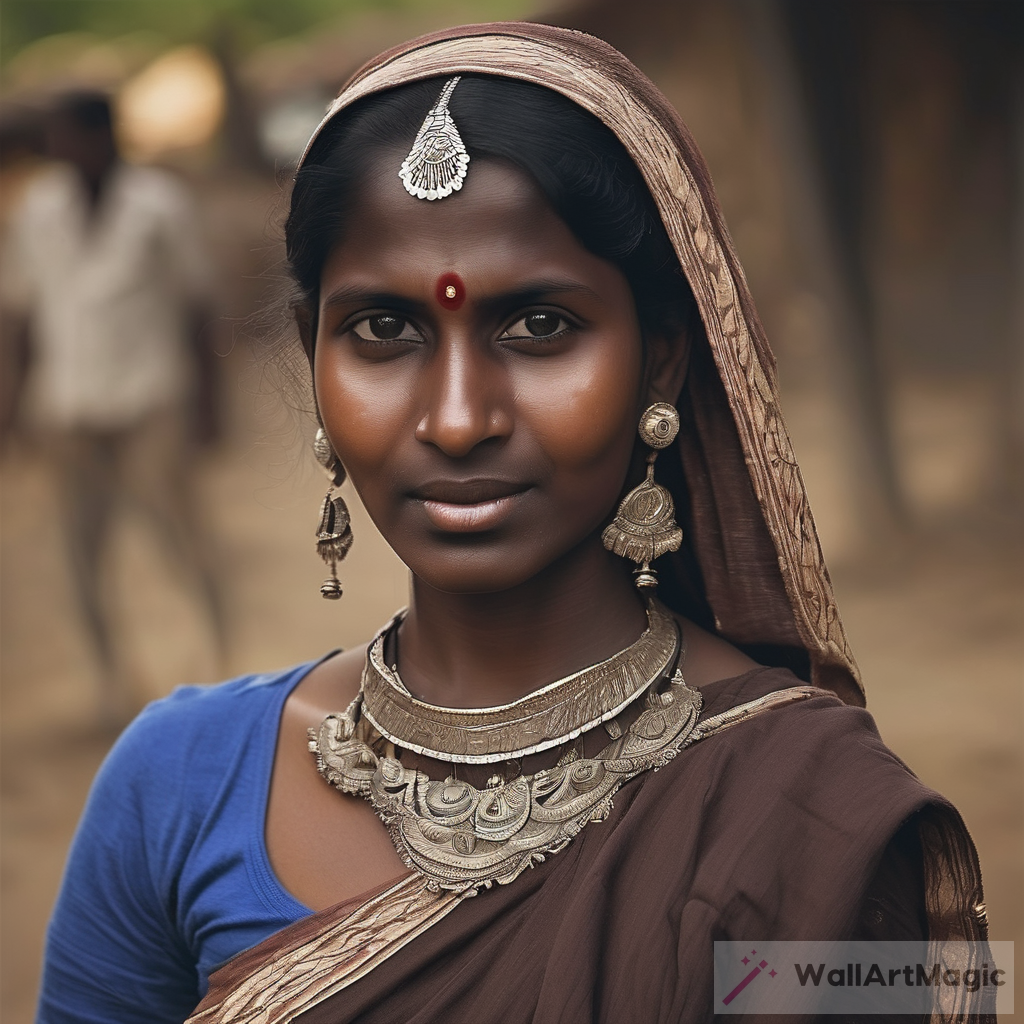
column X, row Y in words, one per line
column 791, row 821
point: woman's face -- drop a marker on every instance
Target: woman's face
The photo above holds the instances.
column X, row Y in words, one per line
column 486, row 441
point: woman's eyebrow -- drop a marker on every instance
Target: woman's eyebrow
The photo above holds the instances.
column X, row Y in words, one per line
column 534, row 291
column 367, row 297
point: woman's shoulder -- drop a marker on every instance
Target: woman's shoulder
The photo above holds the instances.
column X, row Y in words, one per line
column 196, row 733
column 769, row 725
column 197, row 706
column 792, row 775
column 772, row 700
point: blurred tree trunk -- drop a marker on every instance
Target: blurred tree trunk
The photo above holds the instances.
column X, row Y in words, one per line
column 242, row 147
column 1013, row 399
column 809, row 91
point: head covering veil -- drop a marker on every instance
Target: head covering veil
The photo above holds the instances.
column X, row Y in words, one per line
column 751, row 566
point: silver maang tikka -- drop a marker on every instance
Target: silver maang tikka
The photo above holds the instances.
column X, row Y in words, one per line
column 436, row 164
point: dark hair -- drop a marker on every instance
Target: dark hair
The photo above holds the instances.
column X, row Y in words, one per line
column 581, row 167
column 87, row 109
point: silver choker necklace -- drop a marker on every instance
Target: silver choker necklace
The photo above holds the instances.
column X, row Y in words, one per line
column 546, row 718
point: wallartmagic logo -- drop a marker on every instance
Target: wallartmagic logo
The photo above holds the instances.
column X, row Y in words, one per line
column 763, row 965
column 952, row 978
column 918, row 974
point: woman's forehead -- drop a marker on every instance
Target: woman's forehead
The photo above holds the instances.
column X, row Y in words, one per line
column 495, row 192
column 498, row 222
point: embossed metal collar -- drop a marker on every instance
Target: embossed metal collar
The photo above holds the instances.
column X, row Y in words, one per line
column 539, row 721
column 463, row 838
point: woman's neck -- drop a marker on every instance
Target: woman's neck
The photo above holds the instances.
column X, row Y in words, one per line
column 479, row 650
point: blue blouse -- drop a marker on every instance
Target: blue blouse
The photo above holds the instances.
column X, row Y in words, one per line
column 168, row 876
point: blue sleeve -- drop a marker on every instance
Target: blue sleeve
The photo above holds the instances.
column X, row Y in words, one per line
column 113, row 953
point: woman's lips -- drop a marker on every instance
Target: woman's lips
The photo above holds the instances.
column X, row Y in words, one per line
column 485, row 515
column 471, row 506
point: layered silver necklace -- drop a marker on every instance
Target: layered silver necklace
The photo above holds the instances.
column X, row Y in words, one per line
column 462, row 837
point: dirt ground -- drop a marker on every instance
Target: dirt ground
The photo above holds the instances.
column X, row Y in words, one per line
column 937, row 630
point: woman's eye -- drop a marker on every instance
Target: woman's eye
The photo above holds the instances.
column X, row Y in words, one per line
column 537, row 325
column 385, row 328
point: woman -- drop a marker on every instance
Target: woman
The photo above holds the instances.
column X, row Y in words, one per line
column 509, row 255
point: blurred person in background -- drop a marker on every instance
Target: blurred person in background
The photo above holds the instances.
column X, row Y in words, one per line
column 620, row 712
column 22, row 144
column 106, row 278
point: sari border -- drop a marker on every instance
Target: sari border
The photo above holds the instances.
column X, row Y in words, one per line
column 303, row 972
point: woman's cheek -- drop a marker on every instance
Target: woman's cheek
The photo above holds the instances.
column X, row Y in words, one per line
column 362, row 408
column 583, row 417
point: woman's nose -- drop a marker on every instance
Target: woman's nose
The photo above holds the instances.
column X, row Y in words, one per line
column 467, row 400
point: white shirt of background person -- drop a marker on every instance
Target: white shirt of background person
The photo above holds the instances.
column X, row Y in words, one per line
column 108, row 293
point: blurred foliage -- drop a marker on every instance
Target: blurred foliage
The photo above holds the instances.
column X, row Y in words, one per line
column 250, row 22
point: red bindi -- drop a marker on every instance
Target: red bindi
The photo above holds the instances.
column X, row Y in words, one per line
column 450, row 291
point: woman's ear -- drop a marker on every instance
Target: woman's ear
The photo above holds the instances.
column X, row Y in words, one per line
column 668, row 359
column 304, row 322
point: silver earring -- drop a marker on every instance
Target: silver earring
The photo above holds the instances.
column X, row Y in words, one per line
column 334, row 534
column 644, row 527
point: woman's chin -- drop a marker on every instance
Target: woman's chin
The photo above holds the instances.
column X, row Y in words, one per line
column 477, row 569
column 473, row 582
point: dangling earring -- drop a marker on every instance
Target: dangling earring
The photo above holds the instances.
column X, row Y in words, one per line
column 334, row 534
column 644, row 527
